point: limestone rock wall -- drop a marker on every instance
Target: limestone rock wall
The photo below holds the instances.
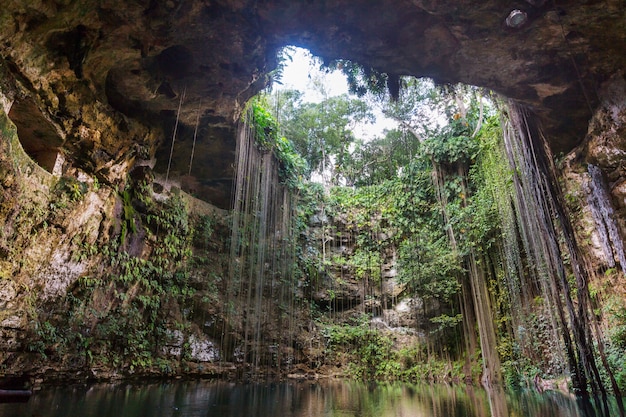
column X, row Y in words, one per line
column 91, row 91
column 344, row 286
column 594, row 181
column 602, row 152
column 73, row 254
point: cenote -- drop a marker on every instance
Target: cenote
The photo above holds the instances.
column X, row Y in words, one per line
column 169, row 212
column 293, row 399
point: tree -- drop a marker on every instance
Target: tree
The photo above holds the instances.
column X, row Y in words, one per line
column 379, row 159
column 321, row 132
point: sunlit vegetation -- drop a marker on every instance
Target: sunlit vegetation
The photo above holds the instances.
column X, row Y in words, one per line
column 383, row 190
column 439, row 198
column 269, row 139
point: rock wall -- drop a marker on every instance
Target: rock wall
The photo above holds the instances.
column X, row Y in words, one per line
column 594, row 181
column 72, row 254
column 344, row 287
column 91, row 92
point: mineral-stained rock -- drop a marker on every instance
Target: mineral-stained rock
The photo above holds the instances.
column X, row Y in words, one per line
column 102, row 80
column 90, row 89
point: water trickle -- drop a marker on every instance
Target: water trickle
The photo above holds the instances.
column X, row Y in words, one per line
column 260, row 297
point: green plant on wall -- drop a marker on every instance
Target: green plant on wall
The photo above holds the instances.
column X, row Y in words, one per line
column 138, row 291
column 268, row 138
column 370, row 353
column 128, row 214
column 429, row 267
column 72, row 187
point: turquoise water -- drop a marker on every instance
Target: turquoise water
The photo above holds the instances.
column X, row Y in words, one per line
column 290, row 399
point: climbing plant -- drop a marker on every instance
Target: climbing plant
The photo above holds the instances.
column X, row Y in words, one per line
column 119, row 314
column 269, row 139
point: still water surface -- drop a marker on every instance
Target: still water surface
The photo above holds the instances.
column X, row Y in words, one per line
column 289, row 399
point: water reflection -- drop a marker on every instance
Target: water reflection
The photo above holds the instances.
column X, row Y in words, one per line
column 290, row 399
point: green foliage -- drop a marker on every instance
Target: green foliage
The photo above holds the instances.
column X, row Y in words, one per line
column 370, row 352
column 366, row 264
column 204, row 231
column 492, row 191
column 361, row 79
column 379, row 159
column 66, row 191
column 429, row 267
column 322, row 133
column 435, row 369
column 445, row 321
column 283, row 57
column 268, row 138
column 518, row 370
column 47, row 339
column 293, row 165
column 133, row 328
column 616, row 348
column 73, row 188
column 264, row 124
column 452, row 145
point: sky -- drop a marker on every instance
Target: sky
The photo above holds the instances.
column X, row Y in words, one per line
column 299, row 74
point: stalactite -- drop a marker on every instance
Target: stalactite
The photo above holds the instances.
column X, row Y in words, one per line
column 604, row 216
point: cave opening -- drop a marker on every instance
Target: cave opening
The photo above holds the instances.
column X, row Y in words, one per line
column 452, row 152
column 335, row 111
column 389, row 204
column 39, row 138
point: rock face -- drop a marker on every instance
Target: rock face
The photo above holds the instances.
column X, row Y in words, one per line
column 595, row 183
column 100, row 82
column 99, row 95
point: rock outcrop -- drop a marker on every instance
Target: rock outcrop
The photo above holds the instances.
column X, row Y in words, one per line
column 101, row 82
column 100, row 94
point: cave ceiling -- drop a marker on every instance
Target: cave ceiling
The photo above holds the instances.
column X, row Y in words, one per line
column 107, row 77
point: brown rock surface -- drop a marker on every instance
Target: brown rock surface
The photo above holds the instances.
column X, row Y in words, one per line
column 93, row 88
column 103, row 79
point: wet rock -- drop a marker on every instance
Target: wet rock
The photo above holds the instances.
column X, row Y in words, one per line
column 203, row 349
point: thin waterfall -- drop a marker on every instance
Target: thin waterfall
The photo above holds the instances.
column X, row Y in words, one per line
column 260, row 300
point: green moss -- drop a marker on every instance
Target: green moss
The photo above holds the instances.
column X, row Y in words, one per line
column 142, row 295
